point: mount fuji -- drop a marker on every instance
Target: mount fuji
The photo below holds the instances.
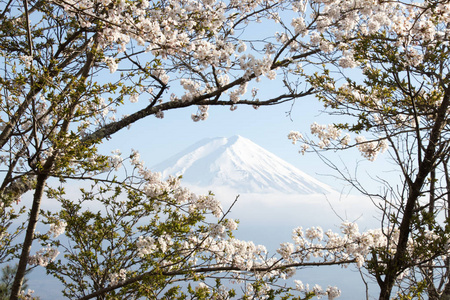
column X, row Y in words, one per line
column 241, row 165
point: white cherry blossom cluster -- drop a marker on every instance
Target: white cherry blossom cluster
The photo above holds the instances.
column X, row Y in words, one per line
column 260, row 293
column 116, row 278
column 351, row 244
column 313, row 243
column 202, row 113
column 217, row 230
column 161, row 75
column 409, row 25
column 164, row 241
column 241, row 254
column 145, row 245
column 56, row 229
column 227, row 252
column 201, row 30
column 192, row 87
column 205, row 202
column 331, row 136
column 111, row 63
column 134, row 98
column 370, row 149
column 182, row 195
column 44, row 256
column 325, row 134
column 116, row 160
column 26, row 296
column 237, row 93
column 295, row 136
column 347, row 60
column 135, row 158
column 252, row 65
column 299, row 26
column 308, row 245
column 156, row 187
column 230, row 224
column 332, row 292
column 27, row 60
column 159, row 114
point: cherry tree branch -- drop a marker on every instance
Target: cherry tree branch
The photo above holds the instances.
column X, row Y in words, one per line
column 203, row 270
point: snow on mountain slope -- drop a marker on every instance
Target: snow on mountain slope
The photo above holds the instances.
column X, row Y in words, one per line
column 241, row 165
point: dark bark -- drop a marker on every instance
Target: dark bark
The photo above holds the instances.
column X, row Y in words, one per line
column 26, row 248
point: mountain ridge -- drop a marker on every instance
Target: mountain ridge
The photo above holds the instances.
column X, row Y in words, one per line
column 239, row 164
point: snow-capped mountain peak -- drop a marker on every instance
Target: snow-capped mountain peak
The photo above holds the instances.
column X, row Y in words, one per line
column 241, row 165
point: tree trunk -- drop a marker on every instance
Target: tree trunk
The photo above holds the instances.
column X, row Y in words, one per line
column 26, row 248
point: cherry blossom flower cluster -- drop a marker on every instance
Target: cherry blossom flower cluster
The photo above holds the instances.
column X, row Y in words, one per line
column 413, row 28
column 164, row 30
column 202, row 113
column 257, row 67
column 237, row 93
column 308, row 245
column 111, row 63
column 116, row 278
column 261, row 292
column 56, row 229
column 145, row 245
column 193, row 88
column 331, row 136
column 325, row 134
column 347, row 60
column 244, row 255
column 332, row 292
column 44, row 256
column 350, row 245
column 227, row 252
column 26, row 296
column 164, row 241
column 116, row 160
column 185, row 38
column 230, row 224
column 295, row 136
column 411, row 25
column 205, row 202
column 370, row 149
column 27, row 60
